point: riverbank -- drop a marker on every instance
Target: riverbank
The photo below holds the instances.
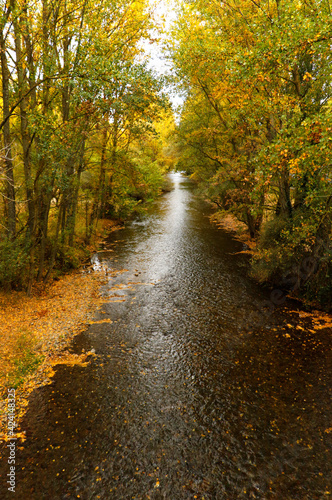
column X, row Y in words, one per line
column 319, row 319
column 37, row 330
column 238, row 229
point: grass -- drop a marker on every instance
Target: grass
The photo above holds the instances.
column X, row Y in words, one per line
column 24, row 361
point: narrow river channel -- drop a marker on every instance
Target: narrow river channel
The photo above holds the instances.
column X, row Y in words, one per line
column 199, row 389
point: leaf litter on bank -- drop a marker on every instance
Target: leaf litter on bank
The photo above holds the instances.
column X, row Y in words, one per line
column 37, row 329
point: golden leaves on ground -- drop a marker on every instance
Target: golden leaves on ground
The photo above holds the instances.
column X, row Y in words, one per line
column 319, row 319
column 230, row 223
column 35, row 329
column 101, row 321
column 70, row 359
column 20, row 436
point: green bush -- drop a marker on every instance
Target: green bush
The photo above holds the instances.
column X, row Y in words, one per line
column 292, row 255
column 271, row 233
column 13, row 264
column 318, row 287
column 167, row 185
column 68, row 257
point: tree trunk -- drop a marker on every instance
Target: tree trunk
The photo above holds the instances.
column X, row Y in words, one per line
column 23, row 86
column 72, row 216
column 10, row 205
column 55, row 243
column 98, row 207
column 284, row 204
column 43, row 229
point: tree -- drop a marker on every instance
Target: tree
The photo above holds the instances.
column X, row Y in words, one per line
column 7, row 155
column 73, row 93
column 258, row 87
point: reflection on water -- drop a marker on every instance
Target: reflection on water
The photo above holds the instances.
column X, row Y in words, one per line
column 186, row 399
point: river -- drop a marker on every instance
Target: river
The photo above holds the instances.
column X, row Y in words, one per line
column 199, row 388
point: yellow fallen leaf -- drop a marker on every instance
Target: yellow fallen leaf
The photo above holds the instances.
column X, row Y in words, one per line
column 100, row 321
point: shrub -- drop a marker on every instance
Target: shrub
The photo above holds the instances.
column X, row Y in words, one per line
column 293, row 255
column 13, row 263
column 271, row 233
column 68, row 257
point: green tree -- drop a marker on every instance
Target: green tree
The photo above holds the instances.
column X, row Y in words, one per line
column 73, row 94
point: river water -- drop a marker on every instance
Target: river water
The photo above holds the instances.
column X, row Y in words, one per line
column 200, row 389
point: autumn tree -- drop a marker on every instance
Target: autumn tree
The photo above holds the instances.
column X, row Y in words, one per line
column 256, row 124
column 74, row 93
